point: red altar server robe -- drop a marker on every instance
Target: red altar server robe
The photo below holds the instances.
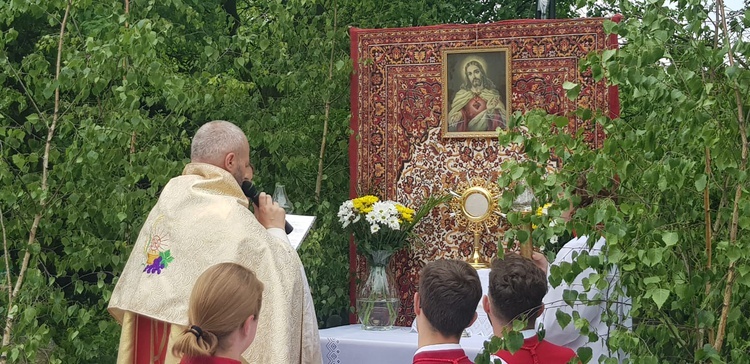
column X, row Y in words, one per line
column 441, row 354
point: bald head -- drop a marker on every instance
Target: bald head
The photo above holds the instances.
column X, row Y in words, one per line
column 214, row 140
column 223, row 144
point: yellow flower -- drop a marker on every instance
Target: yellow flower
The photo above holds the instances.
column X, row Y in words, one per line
column 540, row 211
column 405, row 213
column 364, row 204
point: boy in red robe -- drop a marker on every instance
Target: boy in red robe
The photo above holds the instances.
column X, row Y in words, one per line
column 516, row 290
column 445, row 305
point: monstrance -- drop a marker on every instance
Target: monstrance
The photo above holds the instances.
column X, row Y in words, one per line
column 476, row 207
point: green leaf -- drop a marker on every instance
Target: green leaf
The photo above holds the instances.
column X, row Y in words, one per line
column 659, row 295
column 663, row 183
column 597, row 72
column 700, row 182
column 607, row 54
column 584, row 354
column 609, row 26
column 661, row 35
column 19, row 161
column 570, row 296
column 734, row 253
column 264, row 43
column 29, row 314
column 669, row 238
column 517, row 172
column 572, row 90
column 209, row 51
column 513, row 340
column 744, row 223
column 654, row 256
column 732, row 71
column 561, row 121
column 563, row 318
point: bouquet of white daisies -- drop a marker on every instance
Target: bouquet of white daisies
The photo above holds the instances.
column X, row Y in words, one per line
column 382, row 225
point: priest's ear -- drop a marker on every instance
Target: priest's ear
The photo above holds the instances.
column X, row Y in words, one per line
column 230, row 161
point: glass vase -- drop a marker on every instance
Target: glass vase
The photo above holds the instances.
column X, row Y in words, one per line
column 377, row 294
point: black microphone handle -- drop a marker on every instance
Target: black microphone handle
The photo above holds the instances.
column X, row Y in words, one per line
column 251, row 192
column 288, row 227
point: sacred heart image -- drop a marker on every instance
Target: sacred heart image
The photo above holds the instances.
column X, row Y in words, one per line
column 476, row 92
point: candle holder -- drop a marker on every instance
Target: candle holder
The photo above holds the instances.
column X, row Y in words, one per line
column 279, row 195
column 523, row 204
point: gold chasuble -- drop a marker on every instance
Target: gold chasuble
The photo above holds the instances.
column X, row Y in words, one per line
column 202, row 219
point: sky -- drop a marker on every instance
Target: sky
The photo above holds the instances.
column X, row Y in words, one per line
column 729, row 4
column 733, row 4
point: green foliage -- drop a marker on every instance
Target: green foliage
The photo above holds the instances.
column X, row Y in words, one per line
column 133, row 89
column 680, row 134
column 325, row 254
column 511, row 340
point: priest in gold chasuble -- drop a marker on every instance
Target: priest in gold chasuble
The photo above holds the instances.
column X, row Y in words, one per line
column 202, row 219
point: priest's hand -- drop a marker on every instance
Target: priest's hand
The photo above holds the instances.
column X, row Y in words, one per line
column 269, row 213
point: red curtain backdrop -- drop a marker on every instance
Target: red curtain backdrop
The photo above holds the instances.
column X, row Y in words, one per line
column 397, row 150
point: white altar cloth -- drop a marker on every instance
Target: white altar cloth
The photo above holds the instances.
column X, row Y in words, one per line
column 351, row 345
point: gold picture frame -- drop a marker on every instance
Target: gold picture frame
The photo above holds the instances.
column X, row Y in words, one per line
column 476, row 92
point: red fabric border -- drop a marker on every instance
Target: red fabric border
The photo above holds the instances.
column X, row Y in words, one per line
column 353, row 159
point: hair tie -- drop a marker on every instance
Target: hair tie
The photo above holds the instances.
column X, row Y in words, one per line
column 196, row 331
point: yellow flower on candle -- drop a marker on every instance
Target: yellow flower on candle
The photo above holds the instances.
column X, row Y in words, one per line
column 542, row 210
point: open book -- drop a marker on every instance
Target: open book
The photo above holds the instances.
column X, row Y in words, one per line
column 302, row 225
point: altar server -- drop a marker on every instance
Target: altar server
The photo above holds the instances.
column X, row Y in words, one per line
column 223, row 316
column 516, row 290
column 445, row 305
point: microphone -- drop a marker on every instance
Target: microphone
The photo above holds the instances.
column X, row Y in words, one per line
column 248, row 188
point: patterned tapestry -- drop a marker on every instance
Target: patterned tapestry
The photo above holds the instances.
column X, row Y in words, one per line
column 398, row 150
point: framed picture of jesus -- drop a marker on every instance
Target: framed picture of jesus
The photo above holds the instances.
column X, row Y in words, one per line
column 476, row 92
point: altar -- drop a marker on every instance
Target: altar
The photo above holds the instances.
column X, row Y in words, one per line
column 351, row 345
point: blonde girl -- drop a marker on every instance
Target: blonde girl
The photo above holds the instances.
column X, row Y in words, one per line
column 223, row 316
